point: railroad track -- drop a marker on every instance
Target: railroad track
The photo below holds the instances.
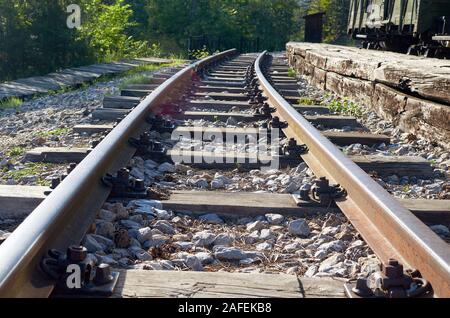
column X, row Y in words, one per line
column 255, row 90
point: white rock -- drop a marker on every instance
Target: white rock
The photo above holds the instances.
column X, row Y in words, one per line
column 211, row 219
column 91, row 244
column 254, row 226
column 264, row 246
column 231, row 121
column 291, row 188
column 143, row 256
column 274, row 219
column 321, row 254
column 144, row 206
column 312, row 270
column 330, row 230
column 104, row 241
column 157, row 240
column 130, row 224
column 137, row 173
column 266, row 234
column 302, row 166
column 138, row 218
column 292, row 247
column 150, row 164
column 194, row 263
column 205, row 258
column 252, row 237
column 229, row 253
column 153, row 265
column 181, row 168
column 107, row 215
column 224, row 239
column 144, row 234
column 336, row 246
column 184, row 246
column 166, row 264
column 165, row 227
column 299, row 227
column 162, row 214
column 285, row 180
column 106, row 229
column 107, row 259
column 328, row 263
column 201, row 183
column 217, row 184
column 204, row 238
column 167, row 167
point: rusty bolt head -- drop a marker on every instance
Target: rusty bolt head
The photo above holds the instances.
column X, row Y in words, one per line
column 393, row 269
column 123, row 174
column 76, row 253
column 361, row 289
column 103, row 274
column 139, row 185
column 71, row 167
column 55, row 183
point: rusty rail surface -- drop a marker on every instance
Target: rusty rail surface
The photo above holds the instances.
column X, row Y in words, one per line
column 390, row 230
column 65, row 215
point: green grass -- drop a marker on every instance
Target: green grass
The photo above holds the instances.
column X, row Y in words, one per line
column 30, row 169
column 307, row 101
column 15, row 152
column 136, row 77
column 10, row 102
column 345, row 106
column 54, row 132
column 292, row 73
column 200, row 54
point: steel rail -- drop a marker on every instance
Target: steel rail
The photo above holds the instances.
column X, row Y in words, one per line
column 390, row 230
column 63, row 218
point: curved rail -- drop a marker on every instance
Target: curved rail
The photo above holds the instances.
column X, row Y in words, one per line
column 390, row 230
column 64, row 216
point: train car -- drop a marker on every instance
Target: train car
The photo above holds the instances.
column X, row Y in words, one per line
column 410, row 26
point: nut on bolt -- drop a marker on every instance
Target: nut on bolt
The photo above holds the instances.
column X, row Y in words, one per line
column 76, row 253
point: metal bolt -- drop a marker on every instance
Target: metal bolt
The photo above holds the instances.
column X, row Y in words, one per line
column 123, row 174
column 139, row 185
column 55, row 183
column 361, row 288
column 71, row 167
column 103, row 274
column 76, row 253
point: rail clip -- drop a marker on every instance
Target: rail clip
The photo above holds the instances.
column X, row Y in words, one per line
column 93, row 279
column 391, row 282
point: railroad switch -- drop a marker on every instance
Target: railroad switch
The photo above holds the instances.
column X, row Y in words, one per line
column 293, row 150
column 276, row 123
column 148, row 146
column 125, row 186
column 322, row 192
column 93, row 279
column 391, row 282
column 160, row 125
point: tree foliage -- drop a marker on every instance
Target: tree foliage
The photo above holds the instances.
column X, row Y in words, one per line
column 34, row 37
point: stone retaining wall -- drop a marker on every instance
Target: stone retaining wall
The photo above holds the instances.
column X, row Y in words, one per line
column 412, row 92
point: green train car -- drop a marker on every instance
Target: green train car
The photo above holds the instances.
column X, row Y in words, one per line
column 410, row 26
